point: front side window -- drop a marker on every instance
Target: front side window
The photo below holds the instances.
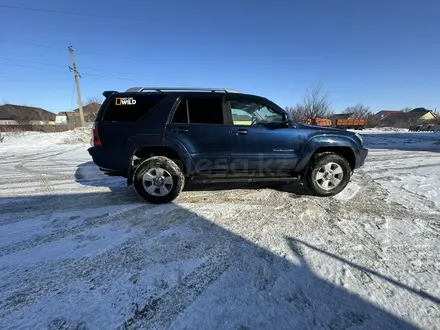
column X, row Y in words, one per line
column 253, row 114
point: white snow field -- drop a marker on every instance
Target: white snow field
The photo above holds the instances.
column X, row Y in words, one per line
column 79, row 250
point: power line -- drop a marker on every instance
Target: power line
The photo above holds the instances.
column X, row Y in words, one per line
column 54, row 70
column 42, row 63
column 30, row 44
column 32, row 62
column 64, row 12
column 103, row 76
column 32, row 67
column 83, row 52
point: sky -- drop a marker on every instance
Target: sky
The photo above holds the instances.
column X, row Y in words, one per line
column 383, row 53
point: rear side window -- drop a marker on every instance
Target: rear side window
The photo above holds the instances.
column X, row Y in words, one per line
column 199, row 111
column 128, row 109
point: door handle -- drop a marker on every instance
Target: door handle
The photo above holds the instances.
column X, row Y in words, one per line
column 240, row 131
column 179, row 130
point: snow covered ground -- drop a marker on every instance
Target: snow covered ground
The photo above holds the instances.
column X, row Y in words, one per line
column 79, row 250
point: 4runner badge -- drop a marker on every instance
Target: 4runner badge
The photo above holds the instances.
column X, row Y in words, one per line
column 125, row 101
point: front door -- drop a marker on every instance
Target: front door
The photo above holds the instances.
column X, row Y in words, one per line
column 199, row 125
column 259, row 144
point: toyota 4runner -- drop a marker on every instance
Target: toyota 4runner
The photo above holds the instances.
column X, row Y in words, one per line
column 159, row 137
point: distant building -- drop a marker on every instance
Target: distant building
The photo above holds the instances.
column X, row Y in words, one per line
column 11, row 114
column 61, row 118
column 90, row 112
column 397, row 118
column 91, row 108
column 421, row 114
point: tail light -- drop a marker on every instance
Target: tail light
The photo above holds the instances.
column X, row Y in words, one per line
column 95, row 136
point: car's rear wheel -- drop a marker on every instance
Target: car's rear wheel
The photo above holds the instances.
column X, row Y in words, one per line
column 158, row 180
column 327, row 174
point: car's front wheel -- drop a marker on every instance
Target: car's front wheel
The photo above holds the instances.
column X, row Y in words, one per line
column 158, row 180
column 327, row 174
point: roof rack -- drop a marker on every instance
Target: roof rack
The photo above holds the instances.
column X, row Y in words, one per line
column 161, row 89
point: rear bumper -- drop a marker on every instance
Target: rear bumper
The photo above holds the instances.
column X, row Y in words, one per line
column 108, row 160
column 361, row 156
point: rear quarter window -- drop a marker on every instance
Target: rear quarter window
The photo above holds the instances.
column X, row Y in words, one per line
column 130, row 108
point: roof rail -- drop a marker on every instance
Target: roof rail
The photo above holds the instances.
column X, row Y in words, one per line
column 170, row 89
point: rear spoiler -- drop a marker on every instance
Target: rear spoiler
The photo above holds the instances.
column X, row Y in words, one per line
column 108, row 93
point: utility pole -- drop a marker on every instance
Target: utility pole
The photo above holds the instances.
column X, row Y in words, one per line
column 76, row 75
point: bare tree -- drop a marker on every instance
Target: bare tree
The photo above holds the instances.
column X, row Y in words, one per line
column 406, row 109
column 358, row 111
column 92, row 104
column 436, row 113
column 298, row 112
column 315, row 104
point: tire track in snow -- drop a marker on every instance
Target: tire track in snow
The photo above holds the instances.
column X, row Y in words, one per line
column 380, row 170
column 160, row 312
column 88, row 223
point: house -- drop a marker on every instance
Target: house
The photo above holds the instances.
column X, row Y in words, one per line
column 92, row 107
column 6, row 118
column 421, row 114
column 396, row 118
column 90, row 112
column 11, row 114
column 61, row 118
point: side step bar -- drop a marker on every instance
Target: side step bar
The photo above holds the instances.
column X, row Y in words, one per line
column 246, row 180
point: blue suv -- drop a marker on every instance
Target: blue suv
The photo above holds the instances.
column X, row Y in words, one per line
column 159, row 137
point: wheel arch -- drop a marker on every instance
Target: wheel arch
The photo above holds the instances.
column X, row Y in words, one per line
column 340, row 146
column 175, row 151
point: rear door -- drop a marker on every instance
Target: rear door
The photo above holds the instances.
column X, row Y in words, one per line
column 198, row 123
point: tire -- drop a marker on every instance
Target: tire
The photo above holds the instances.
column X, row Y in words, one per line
column 158, row 180
column 328, row 167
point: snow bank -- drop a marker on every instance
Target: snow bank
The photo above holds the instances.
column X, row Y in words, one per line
column 75, row 136
column 429, row 141
column 78, row 135
column 385, row 129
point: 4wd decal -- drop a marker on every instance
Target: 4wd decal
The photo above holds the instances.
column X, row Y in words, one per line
column 125, row 101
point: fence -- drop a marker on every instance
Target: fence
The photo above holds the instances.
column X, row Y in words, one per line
column 425, row 128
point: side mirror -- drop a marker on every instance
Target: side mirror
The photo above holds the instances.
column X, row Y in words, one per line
column 288, row 122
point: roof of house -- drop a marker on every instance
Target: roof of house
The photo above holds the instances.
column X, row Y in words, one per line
column 417, row 114
column 420, row 111
column 396, row 116
column 25, row 113
column 388, row 112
